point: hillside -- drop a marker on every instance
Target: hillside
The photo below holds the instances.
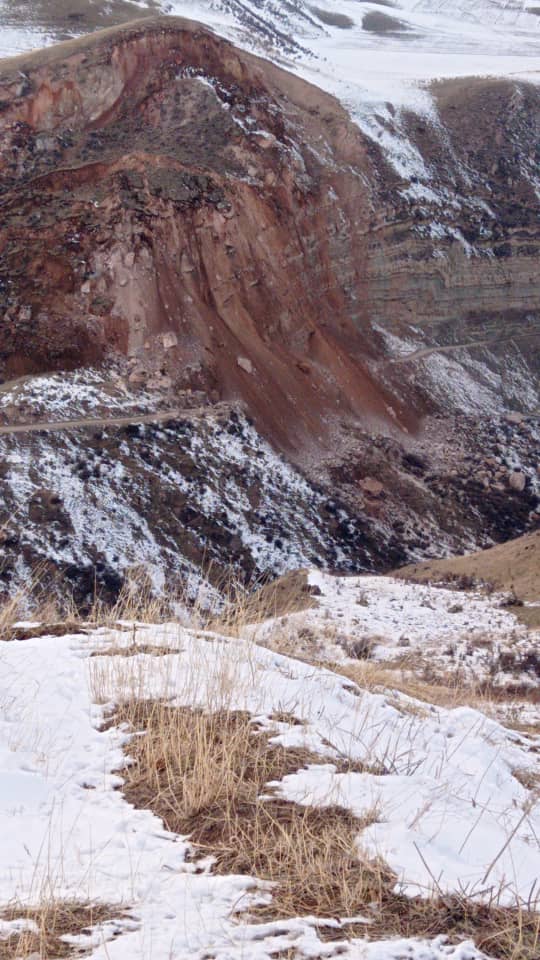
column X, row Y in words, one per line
column 269, row 331
column 186, row 225
column 358, row 779
column 513, row 566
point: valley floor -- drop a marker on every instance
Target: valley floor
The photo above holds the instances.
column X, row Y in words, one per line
column 358, row 778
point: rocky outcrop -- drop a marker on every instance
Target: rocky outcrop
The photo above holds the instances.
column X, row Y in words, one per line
column 218, row 225
column 461, row 264
column 157, row 182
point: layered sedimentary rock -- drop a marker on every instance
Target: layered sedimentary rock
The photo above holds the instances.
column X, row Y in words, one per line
column 206, row 221
column 156, row 181
column 159, row 186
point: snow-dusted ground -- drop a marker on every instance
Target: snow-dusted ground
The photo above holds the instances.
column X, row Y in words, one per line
column 366, row 64
column 392, row 620
column 468, row 380
column 450, row 805
column 16, row 39
column 73, row 395
column 366, row 68
column 112, row 511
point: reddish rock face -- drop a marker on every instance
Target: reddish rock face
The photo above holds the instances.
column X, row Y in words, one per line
column 223, row 231
column 171, row 198
column 168, row 197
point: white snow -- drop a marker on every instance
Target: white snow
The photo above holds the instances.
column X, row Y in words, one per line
column 110, row 508
column 449, row 806
column 365, row 69
column 71, row 395
column 447, row 630
column 15, row 40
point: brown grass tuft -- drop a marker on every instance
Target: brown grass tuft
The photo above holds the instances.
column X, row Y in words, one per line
column 206, row 775
column 530, row 779
column 290, row 593
column 134, row 649
column 415, row 678
column 47, row 925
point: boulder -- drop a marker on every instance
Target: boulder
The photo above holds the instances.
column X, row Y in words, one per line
column 169, row 340
column 245, row 364
column 514, row 417
column 372, row 487
column 517, row 481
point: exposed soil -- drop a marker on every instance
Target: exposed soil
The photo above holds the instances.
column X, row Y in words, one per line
column 201, row 217
column 333, row 19
column 150, row 204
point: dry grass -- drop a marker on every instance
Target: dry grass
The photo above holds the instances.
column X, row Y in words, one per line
column 138, row 602
column 512, row 719
column 44, row 927
column 414, row 677
column 288, row 594
column 512, row 566
column 530, row 779
column 207, row 775
column 497, row 932
column 204, row 775
column 134, row 649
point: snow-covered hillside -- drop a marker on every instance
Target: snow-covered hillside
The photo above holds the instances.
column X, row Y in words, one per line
column 446, row 796
column 368, row 52
column 376, row 57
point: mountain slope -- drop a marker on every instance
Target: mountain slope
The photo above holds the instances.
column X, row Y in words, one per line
column 369, row 54
column 186, row 217
column 221, row 799
column 513, row 566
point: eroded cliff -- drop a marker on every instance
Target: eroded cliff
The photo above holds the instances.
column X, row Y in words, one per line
column 205, row 221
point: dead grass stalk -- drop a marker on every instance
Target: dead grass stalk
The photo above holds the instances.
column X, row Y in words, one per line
column 208, row 776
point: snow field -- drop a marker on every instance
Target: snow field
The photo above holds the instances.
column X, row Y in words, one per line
column 390, row 619
column 449, row 806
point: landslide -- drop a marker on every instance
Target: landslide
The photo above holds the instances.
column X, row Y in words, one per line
column 158, row 183
column 200, row 218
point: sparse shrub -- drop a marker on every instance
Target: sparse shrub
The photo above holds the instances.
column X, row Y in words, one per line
column 360, row 648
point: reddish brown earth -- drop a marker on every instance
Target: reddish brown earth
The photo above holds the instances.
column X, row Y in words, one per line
column 135, row 207
column 196, row 216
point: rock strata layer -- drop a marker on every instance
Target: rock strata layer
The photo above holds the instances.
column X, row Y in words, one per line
column 209, row 222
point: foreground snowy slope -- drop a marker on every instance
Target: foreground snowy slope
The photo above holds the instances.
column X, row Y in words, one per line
column 418, row 627
column 446, row 797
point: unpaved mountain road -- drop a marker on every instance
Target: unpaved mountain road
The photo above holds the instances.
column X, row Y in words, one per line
column 423, row 352
column 52, row 426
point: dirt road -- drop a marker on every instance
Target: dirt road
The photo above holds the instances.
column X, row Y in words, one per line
column 89, row 422
column 423, row 352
